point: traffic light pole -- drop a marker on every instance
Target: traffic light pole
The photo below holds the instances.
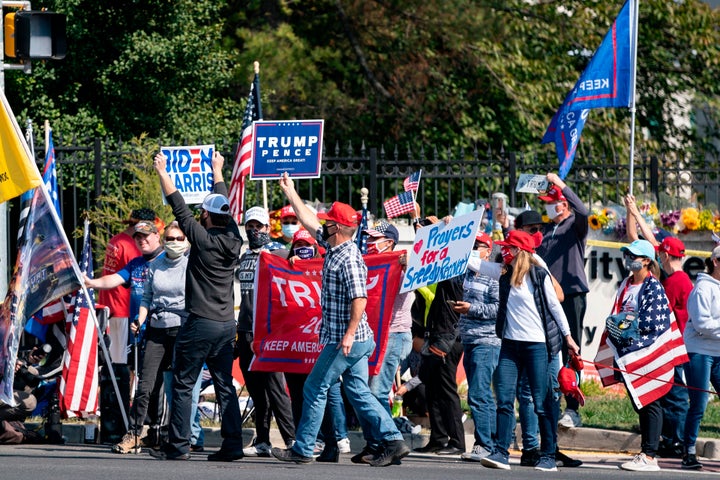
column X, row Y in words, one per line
column 4, row 230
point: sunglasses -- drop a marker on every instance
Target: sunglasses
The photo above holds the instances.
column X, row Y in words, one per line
column 175, row 239
column 631, row 256
column 478, row 245
column 532, row 230
column 289, row 222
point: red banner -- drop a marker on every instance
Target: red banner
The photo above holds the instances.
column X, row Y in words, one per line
column 288, row 317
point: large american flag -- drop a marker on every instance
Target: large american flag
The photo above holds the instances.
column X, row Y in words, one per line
column 399, row 204
column 79, row 382
column 647, row 365
column 243, row 155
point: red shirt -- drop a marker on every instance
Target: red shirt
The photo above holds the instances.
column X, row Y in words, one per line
column 120, row 250
column 677, row 288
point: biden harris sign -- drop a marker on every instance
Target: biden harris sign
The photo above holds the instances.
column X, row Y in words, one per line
column 190, row 169
column 294, row 147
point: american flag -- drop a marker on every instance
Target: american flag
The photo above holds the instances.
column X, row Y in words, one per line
column 243, row 156
column 78, row 385
column 412, row 182
column 399, row 204
column 361, row 239
column 647, row 365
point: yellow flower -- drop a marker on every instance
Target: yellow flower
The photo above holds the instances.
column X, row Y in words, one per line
column 690, row 217
column 594, row 222
column 652, row 210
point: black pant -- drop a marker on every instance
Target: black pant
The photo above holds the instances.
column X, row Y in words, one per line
column 157, row 357
column 651, row 423
column 201, row 340
column 267, row 390
column 443, row 402
column 574, row 307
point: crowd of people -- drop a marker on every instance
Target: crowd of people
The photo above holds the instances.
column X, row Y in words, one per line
column 513, row 319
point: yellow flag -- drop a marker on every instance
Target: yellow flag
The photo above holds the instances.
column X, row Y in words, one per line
column 18, row 172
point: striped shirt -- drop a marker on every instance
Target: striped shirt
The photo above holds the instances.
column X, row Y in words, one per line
column 344, row 278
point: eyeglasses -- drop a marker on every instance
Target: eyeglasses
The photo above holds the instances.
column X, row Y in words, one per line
column 289, row 222
column 175, row 239
column 479, row 245
column 631, row 256
column 532, row 230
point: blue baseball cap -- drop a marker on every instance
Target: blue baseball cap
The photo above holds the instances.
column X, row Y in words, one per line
column 640, row 248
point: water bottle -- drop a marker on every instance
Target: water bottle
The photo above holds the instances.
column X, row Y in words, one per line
column 397, row 406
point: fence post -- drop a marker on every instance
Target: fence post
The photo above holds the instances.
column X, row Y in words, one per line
column 373, row 180
column 512, row 176
column 654, row 179
column 97, row 160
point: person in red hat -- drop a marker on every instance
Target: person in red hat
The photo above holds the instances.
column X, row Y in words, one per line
column 563, row 249
column 478, row 312
column 346, row 337
column 533, row 328
column 289, row 225
column 677, row 285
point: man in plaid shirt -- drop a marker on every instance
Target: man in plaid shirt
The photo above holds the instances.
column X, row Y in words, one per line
column 346, row 337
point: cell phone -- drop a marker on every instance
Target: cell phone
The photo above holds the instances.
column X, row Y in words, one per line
column 452, row 303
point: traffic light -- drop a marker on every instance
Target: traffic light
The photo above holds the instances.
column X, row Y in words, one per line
column 35, row 35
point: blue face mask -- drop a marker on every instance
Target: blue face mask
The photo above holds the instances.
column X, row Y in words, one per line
column 304, row 252
column 474, row 253
column 289, row 230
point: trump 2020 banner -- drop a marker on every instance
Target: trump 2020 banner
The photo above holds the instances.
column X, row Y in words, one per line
column 293, row 146
column 441, row 251
column 288, row 317
column 190, row 169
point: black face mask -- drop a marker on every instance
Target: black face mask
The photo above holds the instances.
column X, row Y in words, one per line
column 326, row 232
column 257, row 239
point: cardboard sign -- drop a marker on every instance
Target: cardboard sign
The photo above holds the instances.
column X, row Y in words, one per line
column 294, row 147
column 531, row 183
column 190, row 169
column 441, row 251
column 288, row 316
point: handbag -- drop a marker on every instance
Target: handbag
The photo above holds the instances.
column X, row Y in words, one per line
column 439, row 344
column 622, row 329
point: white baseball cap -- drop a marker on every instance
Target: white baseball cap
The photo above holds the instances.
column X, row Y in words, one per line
column 259, row 214
column 216, row 203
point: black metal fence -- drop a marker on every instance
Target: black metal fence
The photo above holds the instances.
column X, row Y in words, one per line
column 89, row 169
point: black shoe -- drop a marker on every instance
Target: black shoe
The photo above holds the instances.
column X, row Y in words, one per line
column 563, row 460
column 329, row 455
column 449, row 450
column 430, row 448
column 197, row 448
column 226, row 455
column 289, row 455
column 393, row 452
column 168, row 454
column 530, row 458
column 671, row 450
column 690, row 462
column 366, row 451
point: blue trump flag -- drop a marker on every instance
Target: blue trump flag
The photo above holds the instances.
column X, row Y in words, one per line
column 605, row 82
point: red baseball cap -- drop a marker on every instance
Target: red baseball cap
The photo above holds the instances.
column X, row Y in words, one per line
column 554, row 194
column 343, row 214
column 483, row 237
column 672, row 246
column 287, row 211
column 305, row 236
column 570, row 385
column 519, row 239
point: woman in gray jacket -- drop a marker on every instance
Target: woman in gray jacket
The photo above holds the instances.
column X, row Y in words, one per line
column 702, row 340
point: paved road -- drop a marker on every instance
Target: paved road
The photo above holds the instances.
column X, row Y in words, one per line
column 76, row 462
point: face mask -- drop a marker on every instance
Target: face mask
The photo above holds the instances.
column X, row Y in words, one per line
column 304, row 252
column 537, row 238
column 290, row 229
column 175, row 249
column 475, row 254
column 507, row 255
column 257, row 239
column 551, row 210
column 372, row 248
column 634, row 265
column 326, row 232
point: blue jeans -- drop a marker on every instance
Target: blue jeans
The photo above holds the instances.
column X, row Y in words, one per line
column 699, row 372
column 330, row 365
column 526, row 407
column 398, row 348
column 675, row 408
column 336, row 405
column 197, row 434
column 480, row 362
column 517, row 358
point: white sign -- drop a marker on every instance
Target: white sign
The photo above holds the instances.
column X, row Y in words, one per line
column 531, row 183
column 190, row 169
column 440, row 251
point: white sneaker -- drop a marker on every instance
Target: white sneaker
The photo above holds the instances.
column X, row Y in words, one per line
column 257, row 450
column 641, row 463
column 344, row 445
column 477, row 453
column 319, row 447
column 570, row 419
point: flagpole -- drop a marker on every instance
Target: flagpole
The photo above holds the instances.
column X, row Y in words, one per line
column 633, row 80
column 417, row 192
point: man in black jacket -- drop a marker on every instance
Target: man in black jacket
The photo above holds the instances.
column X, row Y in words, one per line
column 208, row 334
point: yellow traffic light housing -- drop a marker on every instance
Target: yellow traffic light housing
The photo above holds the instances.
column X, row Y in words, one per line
column 35, row 35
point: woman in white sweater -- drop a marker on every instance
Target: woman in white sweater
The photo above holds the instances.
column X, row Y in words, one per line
column 702, row 340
